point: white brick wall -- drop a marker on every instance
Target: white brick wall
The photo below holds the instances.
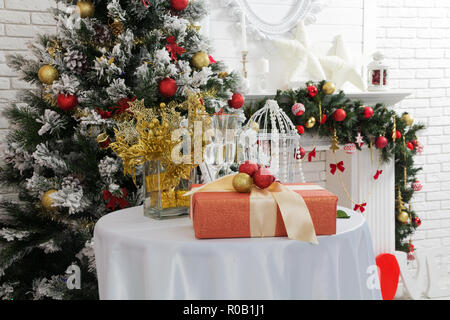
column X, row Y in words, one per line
column 415, row 35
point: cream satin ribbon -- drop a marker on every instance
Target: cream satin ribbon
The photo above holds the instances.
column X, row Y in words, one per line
column 263, row 208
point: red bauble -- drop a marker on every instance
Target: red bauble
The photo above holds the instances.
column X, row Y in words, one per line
column 410, row 146
column 249, row 168
column 416, row 185
column 339, row 115
column 381, row 142
column 415, row 142
column 302, row 153
column 298, row 109
column 300, row 129
column 167, row 87
column 237, row 101
column 263, row 178
column 312, row 90
column 368, row 112
column 417, row 221
column 179, row 4
column 398, row 134
column 66, row 102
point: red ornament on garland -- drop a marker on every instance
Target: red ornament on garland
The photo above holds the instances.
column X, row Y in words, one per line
column 339, row 115
column 237, row 101
column 417, row 221
column 398, row 134
column 324, row 118
column 312, row 91
column 381, row 142
column 368, row 112
column 416, row 185
column 298, row 109
column 415, row 142
column 410, row 146
column 167, row 87
column 66, row 102
column 299, row 153
column 249, row 168
column 263, row 178
column 300, row 129
column 179, row 4
column 350, row 148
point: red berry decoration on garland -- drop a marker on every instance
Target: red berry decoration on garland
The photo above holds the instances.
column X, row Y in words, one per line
column 368, row 112
column 167, row 87
column 398, row 134
column 66, row 102
column 298, row 109
column 263, row 178
column 237, row 101
column 417, row 221
column 312, row 91
column 249, row 168
column 179, row 4
column 381, row 142
column 300, row 129
column 410, row 146
column 339, row 115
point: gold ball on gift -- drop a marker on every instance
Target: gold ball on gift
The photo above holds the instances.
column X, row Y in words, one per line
column 328, row 87
column 310, row 123
column 242, row 182
column 85, row 8
column 408, row 119
column 403, row 217
column 47, row 74
column 200, row 60
column 47, row 201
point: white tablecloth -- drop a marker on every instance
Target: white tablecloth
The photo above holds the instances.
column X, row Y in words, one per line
column 142, row 258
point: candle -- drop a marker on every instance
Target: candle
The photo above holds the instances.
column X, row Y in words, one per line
column 262, row 65
column 244, row 31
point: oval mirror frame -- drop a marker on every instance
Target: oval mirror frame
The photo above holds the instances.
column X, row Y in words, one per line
column 305, row 10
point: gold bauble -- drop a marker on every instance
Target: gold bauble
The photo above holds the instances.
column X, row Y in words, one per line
column 403, row 216
column 47, row 74
column 47, row 201
column 242, row 182
column 200, row 60
column 328, row 87
column 408, row 119
column 85, row 8
column 310, row 123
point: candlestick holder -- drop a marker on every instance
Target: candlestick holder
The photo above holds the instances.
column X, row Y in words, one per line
column 244, row 62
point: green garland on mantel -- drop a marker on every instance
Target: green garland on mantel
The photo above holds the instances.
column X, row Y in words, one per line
column 381, row 123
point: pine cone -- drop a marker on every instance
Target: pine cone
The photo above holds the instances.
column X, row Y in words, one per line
column 76, row 61
column 102, row 35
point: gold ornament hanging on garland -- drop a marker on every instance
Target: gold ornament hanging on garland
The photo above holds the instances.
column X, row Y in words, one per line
column 47, row 74
column 47, row 201
column 403, row 216
column 200, row 60
column 328, row 88
column 408, row 119
column 310, row 123
column 116, row 27
column 85, row 8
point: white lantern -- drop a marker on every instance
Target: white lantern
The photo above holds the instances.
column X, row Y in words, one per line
column 277, row 141
column 377, row 73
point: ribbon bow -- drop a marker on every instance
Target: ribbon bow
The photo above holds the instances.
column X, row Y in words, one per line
column 173, row 48
column 113, row 201
column 360, row 207
column 264, row 204
column 377, row 175
column 311, row 155
column 339, row 166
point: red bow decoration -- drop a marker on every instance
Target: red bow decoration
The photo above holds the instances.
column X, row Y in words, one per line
column 339, row 166
column 377, row 175
column 173, row 48
column 211, row 60
column 360, row 207
column 114, row 201
column 146, row 3
column 311, row 155
column 120, row 107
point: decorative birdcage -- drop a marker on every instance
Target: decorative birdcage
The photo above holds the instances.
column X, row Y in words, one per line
column 271, row 139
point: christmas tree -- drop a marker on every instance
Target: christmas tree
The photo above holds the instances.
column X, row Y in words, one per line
column 106, row 54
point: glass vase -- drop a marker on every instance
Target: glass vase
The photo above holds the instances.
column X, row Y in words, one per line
column 163, row 200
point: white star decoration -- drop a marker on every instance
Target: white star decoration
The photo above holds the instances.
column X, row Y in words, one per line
column 340, row 67
column 300, row 56
column 359, row 139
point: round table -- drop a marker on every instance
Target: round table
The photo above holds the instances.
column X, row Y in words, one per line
column 141, row 258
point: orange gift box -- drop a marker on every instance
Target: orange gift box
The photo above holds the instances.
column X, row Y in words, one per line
column 227, row 214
